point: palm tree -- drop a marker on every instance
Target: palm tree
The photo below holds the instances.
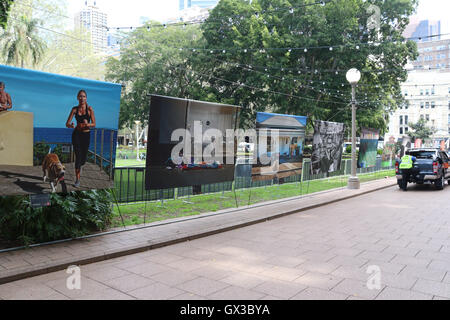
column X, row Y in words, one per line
column 21, row 41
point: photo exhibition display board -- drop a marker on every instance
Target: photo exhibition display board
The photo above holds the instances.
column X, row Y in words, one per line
column 188, row 130
column 368, row 148
column 328, row 144
column 36, row 139
column 286, row 153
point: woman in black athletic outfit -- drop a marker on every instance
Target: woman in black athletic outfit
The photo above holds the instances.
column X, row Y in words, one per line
column 81, row 136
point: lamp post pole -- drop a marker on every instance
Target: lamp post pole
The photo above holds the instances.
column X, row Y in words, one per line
column 353, row 76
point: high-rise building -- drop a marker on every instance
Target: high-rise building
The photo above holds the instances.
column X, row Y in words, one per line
column 95, row 21
column 433, row 55
column 427, row 95
column 422, row 30
column 184, row 4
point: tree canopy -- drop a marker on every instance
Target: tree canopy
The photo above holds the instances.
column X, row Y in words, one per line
column 278, row 55
column 5, row 6
column 420, row 130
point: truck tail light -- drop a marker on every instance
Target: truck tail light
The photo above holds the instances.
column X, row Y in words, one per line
column 396, row 167
column 435, row 167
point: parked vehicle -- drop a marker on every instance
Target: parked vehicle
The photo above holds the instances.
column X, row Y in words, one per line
column 431, row 166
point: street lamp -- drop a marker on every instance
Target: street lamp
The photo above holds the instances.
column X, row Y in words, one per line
column 353, row 76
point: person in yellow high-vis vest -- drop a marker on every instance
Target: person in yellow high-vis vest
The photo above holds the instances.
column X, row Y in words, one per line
column 406, row 166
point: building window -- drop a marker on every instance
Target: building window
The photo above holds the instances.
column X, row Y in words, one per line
column 406, row 93
column 422, row 117
column 401, row 120
column 406, row 129
column 432, row 91
column 433, row 105
column 406, row 120
column 421, row 91
column 427, row 92
column 401, row 130
column 427, row 105
column 427, row 117
column 422, row 104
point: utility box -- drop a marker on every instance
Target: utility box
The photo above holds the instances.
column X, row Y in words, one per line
column 16, row 138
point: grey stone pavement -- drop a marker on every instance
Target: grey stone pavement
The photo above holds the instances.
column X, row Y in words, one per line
column 16, row 180
column 323, row 252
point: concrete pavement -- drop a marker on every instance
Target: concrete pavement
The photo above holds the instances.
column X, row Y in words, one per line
column 321, row 253
column 39, row 260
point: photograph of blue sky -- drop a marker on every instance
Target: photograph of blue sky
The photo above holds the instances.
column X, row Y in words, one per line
column 50, row 97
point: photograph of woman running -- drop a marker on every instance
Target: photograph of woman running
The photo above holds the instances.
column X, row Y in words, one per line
column 81, row 136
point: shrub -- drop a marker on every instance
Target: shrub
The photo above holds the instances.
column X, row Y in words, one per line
column 71, row 215
column 307, row 150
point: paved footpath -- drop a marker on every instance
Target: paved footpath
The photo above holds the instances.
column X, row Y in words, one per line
column 319, row 253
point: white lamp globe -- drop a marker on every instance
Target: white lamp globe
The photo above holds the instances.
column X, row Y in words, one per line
column 353, row 76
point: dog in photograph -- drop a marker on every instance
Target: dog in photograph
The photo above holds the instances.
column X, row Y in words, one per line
column 53, row 170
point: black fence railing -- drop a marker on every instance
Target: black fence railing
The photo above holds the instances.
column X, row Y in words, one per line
column 129, row 182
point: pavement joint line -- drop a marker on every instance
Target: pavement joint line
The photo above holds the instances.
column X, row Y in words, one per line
column 23, row 273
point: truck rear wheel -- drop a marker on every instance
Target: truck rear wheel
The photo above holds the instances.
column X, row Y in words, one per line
column 440, row 183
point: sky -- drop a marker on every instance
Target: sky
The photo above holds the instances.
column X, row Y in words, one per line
column 160, row 10
column 120, row 15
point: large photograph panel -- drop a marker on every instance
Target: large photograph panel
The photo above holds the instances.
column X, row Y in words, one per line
column 388, row 157
column 286, row 153
column 368, row 148
column 328, row 144
column 168, row 114
column 57, row 133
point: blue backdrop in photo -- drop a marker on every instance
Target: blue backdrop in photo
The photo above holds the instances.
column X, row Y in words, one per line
column 50, row 97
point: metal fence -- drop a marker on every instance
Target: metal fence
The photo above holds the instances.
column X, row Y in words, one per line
column 129, row 182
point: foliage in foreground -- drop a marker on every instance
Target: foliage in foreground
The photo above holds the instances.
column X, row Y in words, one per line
column 5, row 6
column 71, row 215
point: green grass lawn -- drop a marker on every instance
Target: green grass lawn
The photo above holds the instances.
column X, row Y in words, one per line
column 129, row 163
column 138, row 213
